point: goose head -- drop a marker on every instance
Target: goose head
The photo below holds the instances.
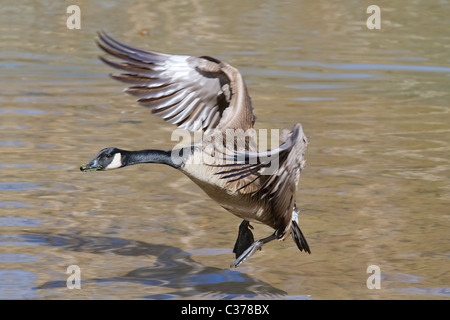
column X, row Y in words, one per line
column 106, row 159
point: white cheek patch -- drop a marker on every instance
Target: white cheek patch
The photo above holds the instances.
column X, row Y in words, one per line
column 116, row 162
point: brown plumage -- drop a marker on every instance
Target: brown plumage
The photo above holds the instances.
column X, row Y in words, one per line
column 205, row 94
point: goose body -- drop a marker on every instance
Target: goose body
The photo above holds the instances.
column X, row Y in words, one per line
column 208, row 95
column 240, row 204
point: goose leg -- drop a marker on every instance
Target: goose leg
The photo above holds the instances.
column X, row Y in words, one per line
column 251, row 250
column 244, row 239
column 297, row 234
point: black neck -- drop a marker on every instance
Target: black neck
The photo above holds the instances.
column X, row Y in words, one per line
column 147, row 156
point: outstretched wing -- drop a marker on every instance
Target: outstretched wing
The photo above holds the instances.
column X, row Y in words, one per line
column 195, row 93
column 278, row 171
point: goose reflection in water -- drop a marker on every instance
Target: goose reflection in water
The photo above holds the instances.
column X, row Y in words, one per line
column 174, row 268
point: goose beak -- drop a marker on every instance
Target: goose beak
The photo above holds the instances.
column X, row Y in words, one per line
column 91, row 166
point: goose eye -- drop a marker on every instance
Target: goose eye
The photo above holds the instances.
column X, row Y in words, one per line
column 109, row 155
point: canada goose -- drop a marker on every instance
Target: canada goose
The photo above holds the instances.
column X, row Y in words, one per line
column 208, row 95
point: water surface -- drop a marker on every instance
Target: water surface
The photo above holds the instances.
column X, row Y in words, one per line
column 375, row 190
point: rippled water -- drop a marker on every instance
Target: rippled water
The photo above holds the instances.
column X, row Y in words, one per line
column 375, row 191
